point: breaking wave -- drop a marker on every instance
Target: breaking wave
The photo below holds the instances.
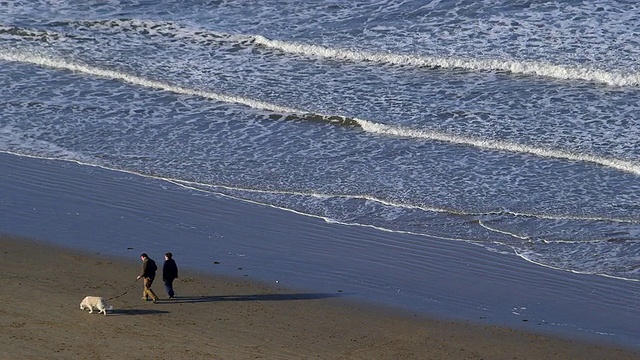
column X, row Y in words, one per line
column 289, row 113
column 176, row 31
column 530, row 68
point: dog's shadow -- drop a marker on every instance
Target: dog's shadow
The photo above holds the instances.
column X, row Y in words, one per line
column 254, row 297
column 136, row 312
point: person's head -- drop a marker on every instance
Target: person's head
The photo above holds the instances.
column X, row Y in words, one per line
column 168, row 255
column 144, row 256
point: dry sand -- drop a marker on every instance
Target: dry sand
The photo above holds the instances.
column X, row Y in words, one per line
column 225, row 318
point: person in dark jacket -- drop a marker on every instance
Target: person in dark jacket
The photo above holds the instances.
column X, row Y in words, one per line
column 169, row 273
column 148, row 274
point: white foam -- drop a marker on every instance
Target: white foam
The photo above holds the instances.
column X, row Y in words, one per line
column 563, row 72
column 622, row 165
column 369, row 126
column 530, row 257
column 521, row 67
column 222, row 189
column 46, row 61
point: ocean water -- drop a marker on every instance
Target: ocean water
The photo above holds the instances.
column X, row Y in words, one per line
column 512, row 125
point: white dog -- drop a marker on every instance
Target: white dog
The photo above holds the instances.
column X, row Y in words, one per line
column 97, row 302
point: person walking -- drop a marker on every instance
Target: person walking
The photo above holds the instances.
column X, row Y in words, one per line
column 169, row 273
column 148, row 275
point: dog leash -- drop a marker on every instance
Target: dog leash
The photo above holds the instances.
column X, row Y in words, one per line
column 126, row 291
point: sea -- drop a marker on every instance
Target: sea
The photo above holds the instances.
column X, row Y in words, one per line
column 509, row 125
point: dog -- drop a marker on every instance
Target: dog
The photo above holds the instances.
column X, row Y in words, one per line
column 91, row 302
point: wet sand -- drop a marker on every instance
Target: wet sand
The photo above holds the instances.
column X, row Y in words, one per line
column 216, row 317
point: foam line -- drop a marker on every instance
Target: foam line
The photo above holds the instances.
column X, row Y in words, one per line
column 529, row 68
column 449, row 211
column 563, row 72
column 527, row 258
column 136, row 80
column 622, row 165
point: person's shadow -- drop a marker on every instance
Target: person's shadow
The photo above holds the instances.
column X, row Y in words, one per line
column 254, row 297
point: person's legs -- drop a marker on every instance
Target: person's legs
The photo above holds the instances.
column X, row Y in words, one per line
column 153, row 295
column 147, row 289
column 168, row 286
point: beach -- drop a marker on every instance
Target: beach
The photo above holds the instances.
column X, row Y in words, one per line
column 334, row 179
column 66, row 238
column 216, row 317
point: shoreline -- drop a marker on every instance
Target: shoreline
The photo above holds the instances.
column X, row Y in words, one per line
column 227, row 318
column 120, row 215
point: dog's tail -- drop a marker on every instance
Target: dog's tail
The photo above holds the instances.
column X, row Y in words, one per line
column 110, row 307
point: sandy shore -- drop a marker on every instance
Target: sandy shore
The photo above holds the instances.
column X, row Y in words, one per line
column 225, row 318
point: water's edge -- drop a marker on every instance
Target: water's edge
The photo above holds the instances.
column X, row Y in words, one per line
column 122, row 214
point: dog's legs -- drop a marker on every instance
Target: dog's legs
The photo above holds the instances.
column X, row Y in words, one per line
column 90, row 309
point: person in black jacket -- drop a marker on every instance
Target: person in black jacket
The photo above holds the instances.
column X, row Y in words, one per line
column 148, row 274
column 169, row 273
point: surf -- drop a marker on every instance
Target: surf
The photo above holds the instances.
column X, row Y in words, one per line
column 173, row 30
column 43, row 60
column 399, row 131
column 530, row 68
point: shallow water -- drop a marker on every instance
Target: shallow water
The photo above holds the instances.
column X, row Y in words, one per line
column 114, row 213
